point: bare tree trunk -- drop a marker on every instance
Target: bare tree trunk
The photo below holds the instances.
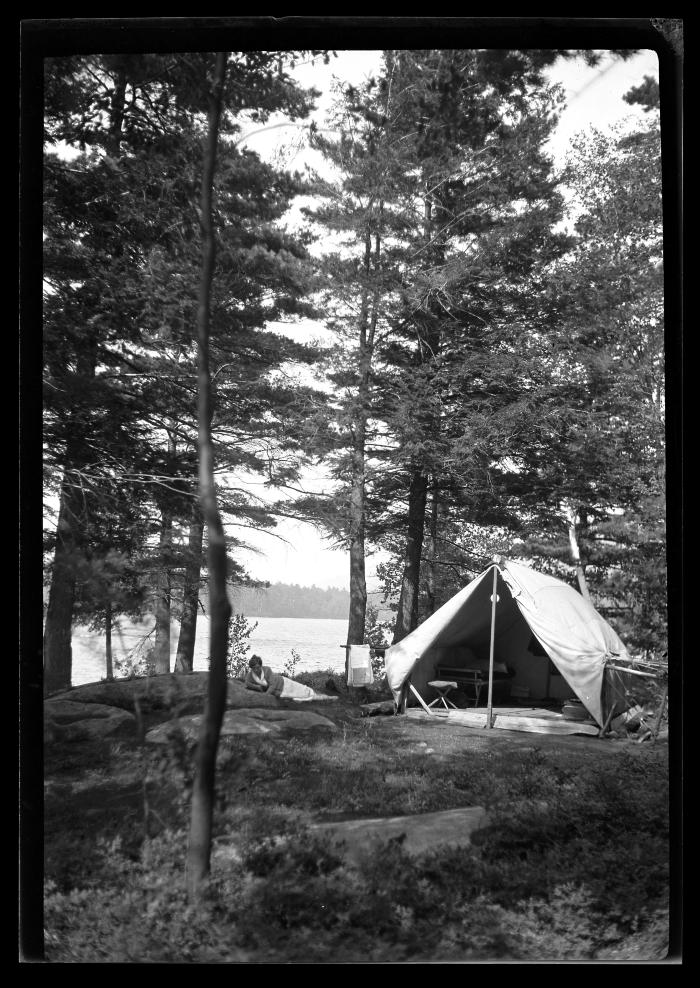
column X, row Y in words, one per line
column 58, row 659
column 431, row 550
column 108, row 639
column 358, row 586
column 184, row 660
column 199, row 850
column 161, row 652
column 407, row 611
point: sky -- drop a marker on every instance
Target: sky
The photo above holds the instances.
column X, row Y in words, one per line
column 593, row 97
column 297, row 553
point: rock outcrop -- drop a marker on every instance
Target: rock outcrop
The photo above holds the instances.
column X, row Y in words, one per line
column 111, row 710
column 251, row 721
column 70, row 720
column 352, row 840
column 182, row 693
column 417, row 834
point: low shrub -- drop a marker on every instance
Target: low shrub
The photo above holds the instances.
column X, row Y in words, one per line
column 572, row 865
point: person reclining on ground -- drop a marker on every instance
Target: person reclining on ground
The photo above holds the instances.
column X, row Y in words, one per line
column 262, row 679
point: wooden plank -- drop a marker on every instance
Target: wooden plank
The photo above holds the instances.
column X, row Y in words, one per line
column 470, row 718
column 540, row 725
column 553, row 724
column 527, row 712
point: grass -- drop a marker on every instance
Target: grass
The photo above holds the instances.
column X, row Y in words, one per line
column 572, row 866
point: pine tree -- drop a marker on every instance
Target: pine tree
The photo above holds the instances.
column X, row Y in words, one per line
column 597, row 464
column 449, row 201
column 361, row 277
column 484, row 202
column 121, row 251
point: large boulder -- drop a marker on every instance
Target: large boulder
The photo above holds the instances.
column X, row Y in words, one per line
column 184, row 693
column 417, row 834
column 246, row 721
column 68, row 720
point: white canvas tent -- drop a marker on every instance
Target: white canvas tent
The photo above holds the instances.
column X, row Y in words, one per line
column 569, row 630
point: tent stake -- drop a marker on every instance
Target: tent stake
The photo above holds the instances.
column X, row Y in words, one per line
column 489, row 716
column 604, row 729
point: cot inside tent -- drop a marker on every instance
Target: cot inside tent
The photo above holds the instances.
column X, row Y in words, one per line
column 551, row 640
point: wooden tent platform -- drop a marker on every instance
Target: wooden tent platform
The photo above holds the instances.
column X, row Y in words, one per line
column 535, row 719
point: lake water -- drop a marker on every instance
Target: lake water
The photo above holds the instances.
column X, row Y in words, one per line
column 317, row 640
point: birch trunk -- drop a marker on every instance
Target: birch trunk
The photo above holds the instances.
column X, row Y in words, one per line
column 576, row 554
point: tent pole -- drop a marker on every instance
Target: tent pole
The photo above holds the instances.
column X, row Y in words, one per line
column 489, row 717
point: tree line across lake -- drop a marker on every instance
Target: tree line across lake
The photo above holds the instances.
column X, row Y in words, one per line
column 294, row 601
column 290, row 600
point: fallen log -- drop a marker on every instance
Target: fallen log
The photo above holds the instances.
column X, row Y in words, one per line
column 374, row 709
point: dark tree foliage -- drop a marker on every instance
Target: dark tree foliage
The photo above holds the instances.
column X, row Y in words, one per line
column 450, row 201
column 121, row 231
column 598, row 454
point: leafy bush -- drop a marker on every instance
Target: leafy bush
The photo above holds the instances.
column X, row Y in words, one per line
column 239, row 631
column 136, row 664
column 290, row 666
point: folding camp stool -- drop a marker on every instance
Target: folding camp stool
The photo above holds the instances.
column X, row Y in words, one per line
column 442, row 687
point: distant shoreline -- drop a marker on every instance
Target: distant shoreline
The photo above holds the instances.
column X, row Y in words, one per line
column 289, row 600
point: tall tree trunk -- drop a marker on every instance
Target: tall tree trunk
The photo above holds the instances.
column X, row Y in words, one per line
column 161, row 652
column 367, row 328
column 358, row 585
column 407, row 611
column 108, row 640
column 58, row 659
column 431, row 551
column 184, row 660
column 199, row 850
